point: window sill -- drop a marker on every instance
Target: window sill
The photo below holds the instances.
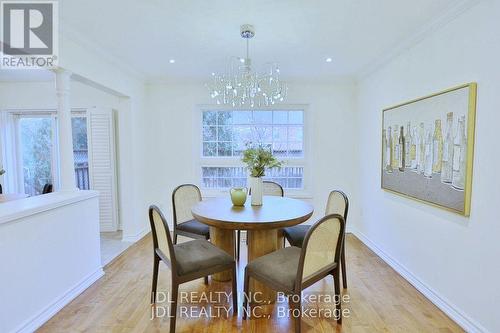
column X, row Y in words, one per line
column 296, row 194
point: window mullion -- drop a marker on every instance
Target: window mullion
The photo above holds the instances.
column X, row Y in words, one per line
column 19, row 155
column 219, row 172
column 55, row 151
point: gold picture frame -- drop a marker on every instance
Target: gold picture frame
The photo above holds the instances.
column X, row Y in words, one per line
column 422, row 161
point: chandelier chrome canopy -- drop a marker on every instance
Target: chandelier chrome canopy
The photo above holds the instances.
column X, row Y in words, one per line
column 240, row 86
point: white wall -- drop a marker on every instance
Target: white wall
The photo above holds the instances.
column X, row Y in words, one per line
column 170, row 113
column 102, row 72
column 453, row 258
column 96, row 66
column 87, row 60
column 49, row 253
column 41, row 95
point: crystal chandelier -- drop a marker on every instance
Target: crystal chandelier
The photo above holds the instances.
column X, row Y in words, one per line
column 242, row 87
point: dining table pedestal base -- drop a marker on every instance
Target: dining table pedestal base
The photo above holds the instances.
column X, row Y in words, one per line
column 223, row 239
column 261, row 242
column 263, row 224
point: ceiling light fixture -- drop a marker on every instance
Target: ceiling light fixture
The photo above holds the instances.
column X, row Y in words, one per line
column 171, row 61
column 328, row 59
column 240, row 86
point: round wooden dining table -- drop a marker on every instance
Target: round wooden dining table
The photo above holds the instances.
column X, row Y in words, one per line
column 261, row 222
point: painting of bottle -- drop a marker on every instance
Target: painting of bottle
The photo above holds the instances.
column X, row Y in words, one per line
column 437, row 147
column 428, row 155
column 459, row 156
column 421, row 144
column 413, row 148
column 447, row 166
column 427, row 148
column 407, row 138
column 386, row 151
column 396, row 149
column 402, row 148
column 384, row 147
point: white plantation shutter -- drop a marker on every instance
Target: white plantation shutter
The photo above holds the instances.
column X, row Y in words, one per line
column 102, row 169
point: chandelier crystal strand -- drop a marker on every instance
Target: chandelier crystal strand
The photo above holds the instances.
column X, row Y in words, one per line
column 242, row 87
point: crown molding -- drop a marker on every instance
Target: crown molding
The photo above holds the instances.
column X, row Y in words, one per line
column 70, row 33
column 424, row 32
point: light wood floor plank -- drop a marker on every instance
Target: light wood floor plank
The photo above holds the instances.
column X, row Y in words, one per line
column 380, row 301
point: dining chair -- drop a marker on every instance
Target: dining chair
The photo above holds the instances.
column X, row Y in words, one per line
column 268, row 188
column 187, row 261
column 292, row 269
column 337, row 203
column 272, row 188
column 47, row 188
column 184, row 197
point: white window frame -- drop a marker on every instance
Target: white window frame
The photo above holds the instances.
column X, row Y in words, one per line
column 230, row 161
column 53, row 155
column 17, row 114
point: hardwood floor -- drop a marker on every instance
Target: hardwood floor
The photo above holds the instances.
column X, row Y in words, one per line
column 379, row 301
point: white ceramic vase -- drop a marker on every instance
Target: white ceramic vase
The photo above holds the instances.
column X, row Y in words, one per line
column 256, row 188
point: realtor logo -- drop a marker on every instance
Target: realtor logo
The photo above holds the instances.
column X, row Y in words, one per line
column 29, row 34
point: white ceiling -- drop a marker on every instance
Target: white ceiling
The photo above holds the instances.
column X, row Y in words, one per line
column 201, row 35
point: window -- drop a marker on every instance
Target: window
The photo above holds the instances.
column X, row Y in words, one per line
column 227, row 177
column 35, row 138
column 225, row 134
column 29, row 154
column 80, row 151
column 32, row 151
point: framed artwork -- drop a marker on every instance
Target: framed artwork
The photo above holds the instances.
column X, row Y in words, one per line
column 428, row 148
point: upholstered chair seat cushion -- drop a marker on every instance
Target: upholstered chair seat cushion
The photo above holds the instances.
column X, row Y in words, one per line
column 199, row 254
column 194, row 227
column 279, row 267
column 296, row 234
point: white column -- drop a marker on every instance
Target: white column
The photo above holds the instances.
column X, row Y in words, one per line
column 66, row 159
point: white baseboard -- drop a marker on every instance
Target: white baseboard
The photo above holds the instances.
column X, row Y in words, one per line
column 457, row 315
column 43, row 316
column 135, row 237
